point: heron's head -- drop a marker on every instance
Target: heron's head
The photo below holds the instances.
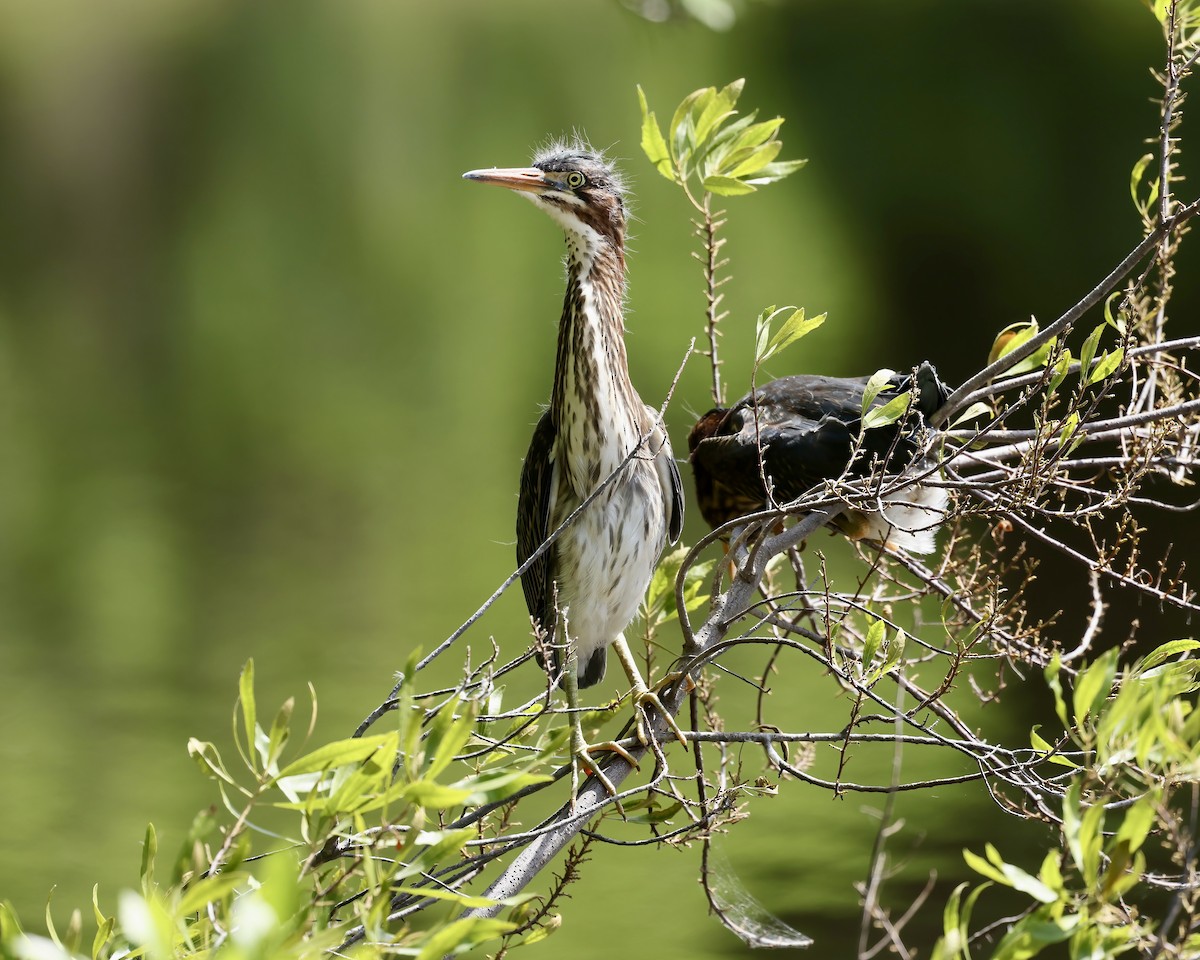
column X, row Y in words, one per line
column 578, row 188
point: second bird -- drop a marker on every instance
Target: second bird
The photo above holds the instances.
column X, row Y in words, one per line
column 587, row 587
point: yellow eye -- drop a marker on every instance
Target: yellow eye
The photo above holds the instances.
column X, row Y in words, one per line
column 575, row 179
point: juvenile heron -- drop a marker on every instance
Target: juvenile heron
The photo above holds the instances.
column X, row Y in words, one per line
column 586, row 588
column 799, row 431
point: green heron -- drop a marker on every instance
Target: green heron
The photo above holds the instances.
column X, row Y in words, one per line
column 587, row 587
column 800, row 431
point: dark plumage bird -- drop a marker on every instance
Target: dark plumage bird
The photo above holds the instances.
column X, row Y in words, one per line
column 808, row 431
column 587, row 587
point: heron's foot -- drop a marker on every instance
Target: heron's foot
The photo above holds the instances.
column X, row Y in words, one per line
column 645, row 699
column 582, row 760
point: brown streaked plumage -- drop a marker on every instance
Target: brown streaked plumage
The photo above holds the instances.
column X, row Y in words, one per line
column 588, row 585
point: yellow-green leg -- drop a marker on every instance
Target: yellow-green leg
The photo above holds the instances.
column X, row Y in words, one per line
column 643, row 696
column 581, row 750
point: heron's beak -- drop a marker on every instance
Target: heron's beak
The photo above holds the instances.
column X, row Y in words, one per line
column 525, row 179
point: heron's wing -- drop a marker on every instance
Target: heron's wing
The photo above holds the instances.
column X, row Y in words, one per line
column 534, row 509
column 668, row 474
column 675, row 526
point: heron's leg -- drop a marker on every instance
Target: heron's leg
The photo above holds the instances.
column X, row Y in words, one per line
column 643, row 696
column 581, row 750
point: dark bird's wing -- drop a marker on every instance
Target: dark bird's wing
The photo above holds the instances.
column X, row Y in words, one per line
column 800, row 431
column 534, row 508
column 668, row 476
column 675, row 523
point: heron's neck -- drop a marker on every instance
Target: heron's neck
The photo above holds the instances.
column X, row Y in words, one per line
column 598, row 412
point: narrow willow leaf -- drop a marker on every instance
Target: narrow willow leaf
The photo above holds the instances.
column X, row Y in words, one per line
column 1051, row 874
column 878, row 380
column 1088, row 352
column 681, row 129
column 1038, row 743
column 1054, row 682
column 890, row 412
column 281, row 730
column 1106, row 365
column 894, row 653
column 149, row 853
column 774, row 172
column 762, row 331
column 727, row 186
column 759, row 133
column 1115, row 320
column 339, row 752
column 1061, row 369
column 1070, row 425
column 452, row 741
column 1016, row 335
column 1139, row 820
column 1135, row 182
column 654, row 145
column 792, row 329
column 1094, row 685
column 975, row 410
column 758, row 159
column 874, row 639
column 984, row 868
column 208, row 890
column 462, row 934
column 1165, row 652
column 208, row 758
column 249, row 710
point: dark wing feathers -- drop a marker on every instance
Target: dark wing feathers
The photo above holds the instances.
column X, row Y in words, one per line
column 533, row 524
column 675, row 523
column 806, row 428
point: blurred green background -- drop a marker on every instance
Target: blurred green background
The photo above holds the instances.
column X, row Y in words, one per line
column 268, row 366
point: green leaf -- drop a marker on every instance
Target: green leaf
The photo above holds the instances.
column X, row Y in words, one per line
column 249, row 711
column 985, row 868
column 681, row 129
column 461, row 935
column 1106, row 365
column 977, row 409
column 208, row 758
column 762, row 331
column 757, row 160
column 209, row 890
column 1043, row 746
column 338, row 753
column 1115, row 320
column 1091, row 841
column 1071, row 822
column 774, row 172
column 1017, row 335
column 448, row 735
column 1094, row 685
column 149, row 852
column 1053, row 681
column 794, row 328
column 1139, row 820
column 727, row 186
column 878, row 380
column 1089, row 350
column 281, row 729
column 758, row 133
column 654, row 145
column 1061, row 369
column 1135, row 180
column 874, row 639
column 890, row 412
column 1165, row 652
